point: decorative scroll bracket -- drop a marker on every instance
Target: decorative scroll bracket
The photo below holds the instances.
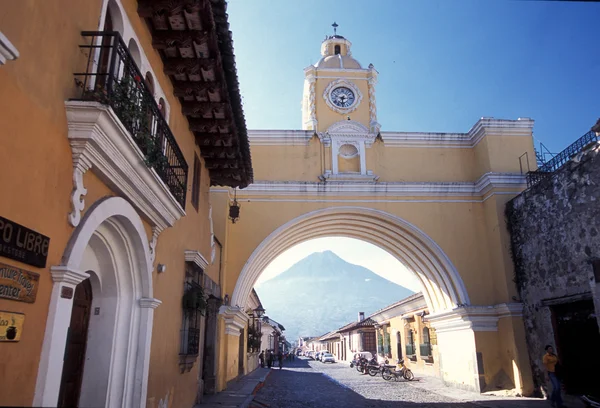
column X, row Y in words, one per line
column 80, row 165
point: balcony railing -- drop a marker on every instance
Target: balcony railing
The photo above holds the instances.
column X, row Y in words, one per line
column 425, row 349
column 410, row 350
column 113, row 78
column 547, row 169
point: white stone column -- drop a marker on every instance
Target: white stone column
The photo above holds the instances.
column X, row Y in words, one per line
column 57, row 325
column 363, row 158
column 335, row 149
column 147, row 306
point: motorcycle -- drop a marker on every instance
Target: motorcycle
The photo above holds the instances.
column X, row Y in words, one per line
column 373, row 367
column 401, row 371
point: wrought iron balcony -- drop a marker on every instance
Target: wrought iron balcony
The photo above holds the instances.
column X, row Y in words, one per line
column 425, row 349
column 410, row 350
column 546, row 171
column 113, row 78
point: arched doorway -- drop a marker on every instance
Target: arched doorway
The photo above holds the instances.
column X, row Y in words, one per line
column 111, row 244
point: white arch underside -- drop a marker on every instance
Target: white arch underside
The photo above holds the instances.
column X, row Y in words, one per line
column 442, row 286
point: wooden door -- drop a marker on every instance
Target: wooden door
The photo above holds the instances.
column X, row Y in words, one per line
column 75, row 348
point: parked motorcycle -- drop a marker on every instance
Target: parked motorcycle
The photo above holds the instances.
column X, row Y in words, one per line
column 374, row 368
column 401, row 371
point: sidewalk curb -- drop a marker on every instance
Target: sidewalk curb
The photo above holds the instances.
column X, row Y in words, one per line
column 261, row 382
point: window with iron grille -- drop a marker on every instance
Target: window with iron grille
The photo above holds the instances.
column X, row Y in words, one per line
column 196, row 183
column 190, row 331
column 369, row 343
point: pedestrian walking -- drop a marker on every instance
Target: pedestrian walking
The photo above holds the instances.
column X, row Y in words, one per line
column 261, row 358
column 269, row 358
column 550, row 360
column 280, row 358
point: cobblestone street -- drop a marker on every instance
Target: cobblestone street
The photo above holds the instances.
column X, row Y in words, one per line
column 308, row 383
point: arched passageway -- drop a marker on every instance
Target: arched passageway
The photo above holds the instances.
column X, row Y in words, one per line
column 441, row 284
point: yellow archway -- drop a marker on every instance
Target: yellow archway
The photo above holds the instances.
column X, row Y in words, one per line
column 442, row 286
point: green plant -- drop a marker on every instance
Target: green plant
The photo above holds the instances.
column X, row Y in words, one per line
column 133, row 107
column 193, row 299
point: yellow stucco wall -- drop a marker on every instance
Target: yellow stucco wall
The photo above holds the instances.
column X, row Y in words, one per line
column 36, row 150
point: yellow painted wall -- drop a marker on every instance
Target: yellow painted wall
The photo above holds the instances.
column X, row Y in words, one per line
column 36, row 150
column 395, row 164
column 36, row 158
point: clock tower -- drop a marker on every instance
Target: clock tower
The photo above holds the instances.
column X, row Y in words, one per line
column 338, row 104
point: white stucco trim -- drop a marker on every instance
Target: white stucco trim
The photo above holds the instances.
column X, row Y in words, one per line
column 100, row 142
column 442, row 285
column 235, row 319
column 484, row 127
column 479, row 188
column 197, row 258
column 476, row 318
column 119, row 221
column 278, row 137
column 8, row 51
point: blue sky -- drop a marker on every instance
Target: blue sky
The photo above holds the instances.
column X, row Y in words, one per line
column 442, row 64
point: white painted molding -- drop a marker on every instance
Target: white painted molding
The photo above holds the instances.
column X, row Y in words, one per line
column 488, row 127
column 81, row 164
column 100, row 141
column 441, row 284
column 280, row 137
column 151, row 303
column 197, row 258
column 476, row 318
column 347, row 84
column 8, row 52
column 484, row 185
column 67, row 275
column 484, row 127
column 235, row 319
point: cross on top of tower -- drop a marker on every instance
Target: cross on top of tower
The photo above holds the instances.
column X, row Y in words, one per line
column 335, row 26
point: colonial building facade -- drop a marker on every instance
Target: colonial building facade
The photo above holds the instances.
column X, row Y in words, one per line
column 433, row 200
column 116, row 117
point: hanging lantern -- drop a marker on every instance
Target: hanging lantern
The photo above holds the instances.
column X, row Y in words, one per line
column 234, row 209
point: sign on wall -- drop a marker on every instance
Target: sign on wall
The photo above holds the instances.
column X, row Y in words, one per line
column 18, row 284
column 22, row 244
column 11, row 326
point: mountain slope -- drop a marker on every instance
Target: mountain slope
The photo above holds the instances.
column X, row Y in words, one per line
column 322, row 292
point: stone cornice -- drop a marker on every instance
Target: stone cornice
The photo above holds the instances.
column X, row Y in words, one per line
column 100, row 141
column 197, row 258
column 485, row 184
column 235, row 319
column 151, row 303
column 476, row 318
column 483, row 127
column 65, row 274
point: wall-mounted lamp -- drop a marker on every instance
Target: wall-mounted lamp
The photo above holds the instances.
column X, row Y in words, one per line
column 234, row 208
column 160, row 268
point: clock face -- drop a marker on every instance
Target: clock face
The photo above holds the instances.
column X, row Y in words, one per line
column 342, row 97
